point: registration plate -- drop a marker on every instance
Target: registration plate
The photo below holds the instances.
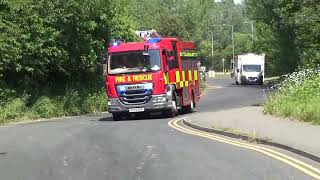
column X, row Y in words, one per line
column 133, row 110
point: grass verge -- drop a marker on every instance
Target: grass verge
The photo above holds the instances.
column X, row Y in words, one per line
column 297, row 97
column 71, row 102
column 203, row 85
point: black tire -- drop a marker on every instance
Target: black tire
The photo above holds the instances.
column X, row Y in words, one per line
column 116, row 116
column 170, row 113
column 261, row 81
column 190, row 108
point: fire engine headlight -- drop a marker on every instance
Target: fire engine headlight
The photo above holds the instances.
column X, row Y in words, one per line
column 159, row 99
column 148, row 86
column 112, row 102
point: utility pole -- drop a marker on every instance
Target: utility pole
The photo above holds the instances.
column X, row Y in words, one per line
column 232, row 37
column 211, row 43
column 252, row 30
column 223, row 65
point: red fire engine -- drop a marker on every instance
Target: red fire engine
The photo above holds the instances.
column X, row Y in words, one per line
column 159, row 74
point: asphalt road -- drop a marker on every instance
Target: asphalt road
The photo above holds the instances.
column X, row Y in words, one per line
column 95, row 147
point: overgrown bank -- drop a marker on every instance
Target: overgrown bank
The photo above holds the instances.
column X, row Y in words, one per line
column 298, row 97
column 71, row 101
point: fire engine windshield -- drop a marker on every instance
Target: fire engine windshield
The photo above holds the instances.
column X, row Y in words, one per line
column 134, row 62
column 252, row 68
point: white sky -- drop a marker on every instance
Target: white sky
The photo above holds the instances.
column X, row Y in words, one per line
column 235, row 1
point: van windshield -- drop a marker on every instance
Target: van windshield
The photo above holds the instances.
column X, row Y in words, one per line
column 251, row 68
column 134, row 62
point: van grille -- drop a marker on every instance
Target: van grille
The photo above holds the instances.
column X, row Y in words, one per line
column 252, row 78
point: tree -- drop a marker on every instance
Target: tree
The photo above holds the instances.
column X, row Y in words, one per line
column 294, row 26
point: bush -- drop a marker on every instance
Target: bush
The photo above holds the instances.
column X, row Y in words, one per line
column 298, row 96
column 6, row 95
column 72, row 102
column 95, row 103
column 47, row 108
column 12, row 110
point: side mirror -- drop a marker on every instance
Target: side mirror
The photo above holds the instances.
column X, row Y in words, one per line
column 172, row 63
column 146, row 50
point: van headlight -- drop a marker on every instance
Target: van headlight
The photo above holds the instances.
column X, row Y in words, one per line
column 113, row 102
column 160, row 99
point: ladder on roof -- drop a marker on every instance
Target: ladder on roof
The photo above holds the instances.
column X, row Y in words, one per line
column 148, row 34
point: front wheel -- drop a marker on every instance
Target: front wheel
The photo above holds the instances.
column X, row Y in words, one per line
column 170, row 113
column 116, row 116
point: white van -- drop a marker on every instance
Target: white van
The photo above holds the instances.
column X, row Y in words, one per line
column 248, row 69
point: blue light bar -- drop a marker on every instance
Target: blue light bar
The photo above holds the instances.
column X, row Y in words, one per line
column 154, row 40
column 115, row 44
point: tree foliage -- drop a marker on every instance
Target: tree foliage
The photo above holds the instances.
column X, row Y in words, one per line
column 49, row 41
column 288, row 31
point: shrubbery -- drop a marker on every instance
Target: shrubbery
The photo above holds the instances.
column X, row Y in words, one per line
column 71, row 103
column 298, row 96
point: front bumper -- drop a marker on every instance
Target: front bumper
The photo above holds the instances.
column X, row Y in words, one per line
column 251, row 80
column 118, row 107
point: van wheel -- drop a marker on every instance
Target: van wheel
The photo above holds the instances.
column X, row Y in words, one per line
column 261, row 81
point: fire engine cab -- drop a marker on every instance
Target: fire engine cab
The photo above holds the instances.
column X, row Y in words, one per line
column 159, row 74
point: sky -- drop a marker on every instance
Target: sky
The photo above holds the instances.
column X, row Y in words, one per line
column 235, row 1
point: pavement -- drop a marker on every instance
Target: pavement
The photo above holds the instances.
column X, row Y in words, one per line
column 96, row 147
column 249, row 120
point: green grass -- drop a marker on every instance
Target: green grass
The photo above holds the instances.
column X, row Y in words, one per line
column 223, row 75
column 71, row 102
column 203, row 85
column 301, row 102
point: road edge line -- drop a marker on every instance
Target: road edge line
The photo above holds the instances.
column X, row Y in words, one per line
column 62, row 118
column 257, row 140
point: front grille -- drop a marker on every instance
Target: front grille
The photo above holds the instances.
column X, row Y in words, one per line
column 252, row 78
column 135, row 96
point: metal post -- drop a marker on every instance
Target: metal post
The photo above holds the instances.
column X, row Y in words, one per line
column 223, row 65
column 211, row 43
column 232, row 37
column 252, row 31
column 232, row 42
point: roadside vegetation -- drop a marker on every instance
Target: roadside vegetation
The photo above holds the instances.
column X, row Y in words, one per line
column 73, row 101
column 49, row 53
column 298, row 97
column 50, row 49
column 287, row 31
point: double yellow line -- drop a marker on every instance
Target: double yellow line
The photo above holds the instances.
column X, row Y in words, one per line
column 305, row 168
